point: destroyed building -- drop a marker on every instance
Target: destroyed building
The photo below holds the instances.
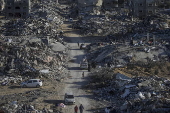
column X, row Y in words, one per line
column 137, row 8
column 109, row 4
column 97, row 5
column 17, row 8
column 143, row 8
column 89, row 6
column 2, row 5
column 165, row 4
column 136, row 94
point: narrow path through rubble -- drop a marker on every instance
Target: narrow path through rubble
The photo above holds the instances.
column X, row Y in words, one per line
column 75, row 80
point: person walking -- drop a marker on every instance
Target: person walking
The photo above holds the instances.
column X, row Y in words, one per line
column 76, row 109
column 107, row 110
column 83, row 75
column 78, row 43
column 81, row 108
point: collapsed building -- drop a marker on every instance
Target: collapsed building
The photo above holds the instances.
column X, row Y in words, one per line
column 134, row 94
column 31, row 48
column 30, row 33
column 17, row 8
column 110, row 5
column 143, row 8
column 98, row 6
column 135, row 8
column 89, row 6
column 2, row 5
column 141, row 50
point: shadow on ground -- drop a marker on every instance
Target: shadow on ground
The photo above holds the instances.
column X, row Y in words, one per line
column 87, row 39
column 73, row 68
column 99, row 110
column 14, row 87
column 53, row 101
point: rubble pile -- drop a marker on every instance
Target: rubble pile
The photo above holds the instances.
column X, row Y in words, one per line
column 39, row 23
column 10, row 80
column 122, row 53
column 13, row 102
column 144, row 94
column 120, row 23
column 90, row 7
column 33, row 47
column 33, row 57
column 29, row 27
column 99, row 26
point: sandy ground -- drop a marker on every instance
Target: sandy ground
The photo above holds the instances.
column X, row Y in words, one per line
column 75, row 82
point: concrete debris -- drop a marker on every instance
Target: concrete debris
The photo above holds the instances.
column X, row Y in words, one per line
column 126, row 93
column 57, row 46
column 92, row 7
column 149, row 94
column 140, row 50
column 122, row 77
column 31, row 56
column 44, row 71
column 12, row 103
column 10, row 80
column 43, row 20
column 32, row 48
column 118, row 22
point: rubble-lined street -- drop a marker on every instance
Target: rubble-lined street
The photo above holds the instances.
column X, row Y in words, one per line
column 111, row 56
column 45, row 56
column 52, row 93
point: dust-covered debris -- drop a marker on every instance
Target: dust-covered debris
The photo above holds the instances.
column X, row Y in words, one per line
column 150, row 93
column 32, row 48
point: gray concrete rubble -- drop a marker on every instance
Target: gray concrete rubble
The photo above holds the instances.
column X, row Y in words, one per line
column 93, row 7
column 43, row 19
column 130, row 95
column 118, row 22
column 29, row 57
column 120, row 53
column 13, row 103
column 29, row 47
column 32, row 48
column 32, row 26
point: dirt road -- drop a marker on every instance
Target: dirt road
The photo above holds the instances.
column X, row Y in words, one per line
column 75, row 81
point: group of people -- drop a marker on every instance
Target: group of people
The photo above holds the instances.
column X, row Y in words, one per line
column 81, row 108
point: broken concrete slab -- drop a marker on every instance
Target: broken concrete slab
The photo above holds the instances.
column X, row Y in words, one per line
column 57, row 46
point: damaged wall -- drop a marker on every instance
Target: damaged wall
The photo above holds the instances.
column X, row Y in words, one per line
column 2, row 5
column 144, row 8
column 19, row 9
column 88, row 5
column 110, row 4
